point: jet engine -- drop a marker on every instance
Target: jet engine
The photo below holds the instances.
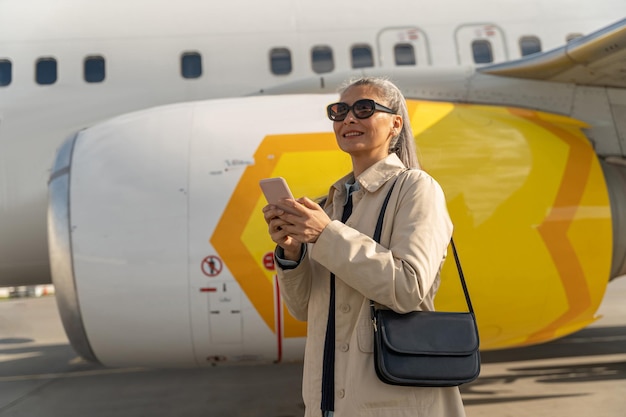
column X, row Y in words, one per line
column 160, row 254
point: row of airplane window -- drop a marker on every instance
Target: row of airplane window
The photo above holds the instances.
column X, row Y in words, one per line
column 322, row 61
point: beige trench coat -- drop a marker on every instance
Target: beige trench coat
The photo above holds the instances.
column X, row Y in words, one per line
column 405, row 277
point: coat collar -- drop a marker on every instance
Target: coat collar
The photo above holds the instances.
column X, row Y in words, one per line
column 375, row 176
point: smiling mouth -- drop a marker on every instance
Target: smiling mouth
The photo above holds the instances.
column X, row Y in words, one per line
column 352, row 134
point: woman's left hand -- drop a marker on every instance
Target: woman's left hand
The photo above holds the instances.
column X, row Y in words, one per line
column 308, row 224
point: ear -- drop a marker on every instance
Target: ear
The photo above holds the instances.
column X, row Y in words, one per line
column 397, row 123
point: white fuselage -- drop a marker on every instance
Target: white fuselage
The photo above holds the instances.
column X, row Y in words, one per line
column 142, row 42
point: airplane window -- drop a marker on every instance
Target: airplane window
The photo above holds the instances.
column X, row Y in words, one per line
column 280, row 61
column 322, row 59
column 362, row 56
column 94, row 69
column 404, row 54
column 573, row 36
column 481, row 49
column 529, row 45
column 46, row 71
column 5, row 72
column 191, row 65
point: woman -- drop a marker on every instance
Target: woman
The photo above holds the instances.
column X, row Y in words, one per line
column 329, row 269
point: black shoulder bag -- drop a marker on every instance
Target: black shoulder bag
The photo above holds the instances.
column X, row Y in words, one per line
column 425, row 348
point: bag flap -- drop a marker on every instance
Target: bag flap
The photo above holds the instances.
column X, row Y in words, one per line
column 428, row 332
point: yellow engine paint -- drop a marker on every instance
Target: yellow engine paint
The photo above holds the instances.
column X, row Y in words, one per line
column 525, row 192
column 558, row 233
column 309, row 163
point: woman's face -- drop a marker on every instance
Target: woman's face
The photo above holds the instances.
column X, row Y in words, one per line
column 366, row 138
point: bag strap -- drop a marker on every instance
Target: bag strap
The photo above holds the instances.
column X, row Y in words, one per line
column 376, row 237
column 458, row 266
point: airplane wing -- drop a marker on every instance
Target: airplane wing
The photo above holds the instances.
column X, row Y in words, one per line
column 598, row 59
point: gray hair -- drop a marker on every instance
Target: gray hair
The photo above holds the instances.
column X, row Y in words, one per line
column 403, row 144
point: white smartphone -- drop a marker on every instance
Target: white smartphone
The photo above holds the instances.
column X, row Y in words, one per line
column 276, row 189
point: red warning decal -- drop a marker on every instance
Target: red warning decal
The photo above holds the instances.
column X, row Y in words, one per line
column 211, row 266
column 268, row 261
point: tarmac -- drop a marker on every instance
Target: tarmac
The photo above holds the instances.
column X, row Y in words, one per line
column 583, row 374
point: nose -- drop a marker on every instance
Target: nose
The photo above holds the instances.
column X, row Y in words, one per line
column 350, row 118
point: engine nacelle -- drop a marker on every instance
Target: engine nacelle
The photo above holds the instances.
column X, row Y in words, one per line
column 133, row 203
column 160, row 254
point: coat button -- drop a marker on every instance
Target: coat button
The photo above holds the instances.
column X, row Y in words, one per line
column 345, row 308
column 345, row 347
column 341, row 393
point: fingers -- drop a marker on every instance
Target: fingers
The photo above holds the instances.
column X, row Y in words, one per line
column 285, row 206
column 291, row 206
column 277, row 225
column 281, row 236
column 300, row 220
column 310, row 204
column 280, row 230
column 272, row 212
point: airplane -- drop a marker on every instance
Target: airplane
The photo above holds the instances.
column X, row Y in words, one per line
column 133, row 137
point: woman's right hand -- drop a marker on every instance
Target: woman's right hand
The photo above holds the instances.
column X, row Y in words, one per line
column 279, row 235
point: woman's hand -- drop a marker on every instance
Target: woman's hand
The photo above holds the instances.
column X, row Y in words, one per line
column 279, row 235
column 308, row 224
column 289, row 231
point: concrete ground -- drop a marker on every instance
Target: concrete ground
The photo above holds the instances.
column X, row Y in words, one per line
column 583, row 374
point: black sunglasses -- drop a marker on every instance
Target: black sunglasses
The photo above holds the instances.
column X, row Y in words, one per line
column 362, row 109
